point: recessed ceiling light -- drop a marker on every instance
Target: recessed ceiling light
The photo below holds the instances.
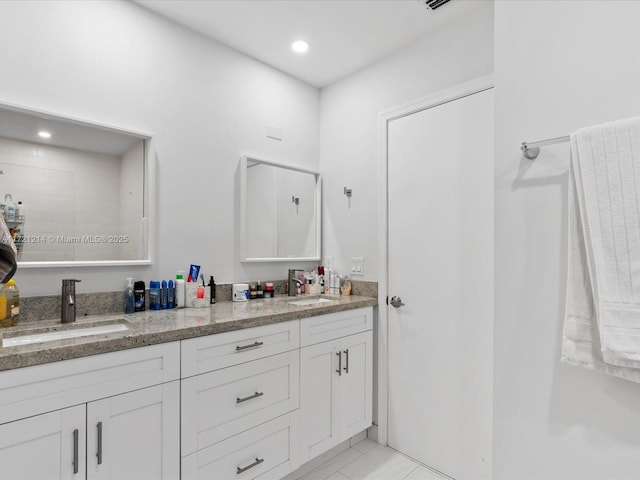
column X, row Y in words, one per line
column 300, row 46
column 44, row 134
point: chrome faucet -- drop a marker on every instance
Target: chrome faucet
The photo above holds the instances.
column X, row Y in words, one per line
column 68, row 300
column 293, row 281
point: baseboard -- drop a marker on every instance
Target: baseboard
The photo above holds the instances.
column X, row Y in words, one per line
column 372, row 433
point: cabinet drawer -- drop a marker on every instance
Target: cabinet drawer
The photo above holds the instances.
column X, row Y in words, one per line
column 267, row 451
column 213, row 352
column 223, row 403
column 43, row 388
column 322, row 328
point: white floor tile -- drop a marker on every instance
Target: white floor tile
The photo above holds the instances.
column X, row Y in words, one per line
column 379, row 463
column 337, row 476
column 421, row 473
column 328, row 468
column 365, row 445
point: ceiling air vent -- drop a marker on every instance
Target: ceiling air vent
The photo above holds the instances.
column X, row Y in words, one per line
column 434, row 4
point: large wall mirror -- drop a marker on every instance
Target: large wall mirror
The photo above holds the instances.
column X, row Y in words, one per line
column 74, row 193
column 279, row 212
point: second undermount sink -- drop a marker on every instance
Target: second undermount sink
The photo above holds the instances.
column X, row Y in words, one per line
column 310, row 301
column 64, row 332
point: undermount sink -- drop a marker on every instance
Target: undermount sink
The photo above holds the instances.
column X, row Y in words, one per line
column 64, row 332
column 310, row 301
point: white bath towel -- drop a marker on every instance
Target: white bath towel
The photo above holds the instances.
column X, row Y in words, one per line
column 602, row 317
column 8, row 253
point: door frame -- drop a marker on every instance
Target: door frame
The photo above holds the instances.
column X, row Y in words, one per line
column 477, row 85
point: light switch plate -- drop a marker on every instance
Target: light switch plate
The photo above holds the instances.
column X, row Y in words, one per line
column 357, row 266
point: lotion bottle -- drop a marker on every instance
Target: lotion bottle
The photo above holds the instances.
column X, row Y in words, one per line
column 180, row 290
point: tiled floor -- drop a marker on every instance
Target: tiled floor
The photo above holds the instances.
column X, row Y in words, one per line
column 371, row 461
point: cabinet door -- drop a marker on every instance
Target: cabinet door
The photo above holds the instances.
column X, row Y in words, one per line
column 356, row 389
column 45, row 447
column 135, row 436
column 318, row 396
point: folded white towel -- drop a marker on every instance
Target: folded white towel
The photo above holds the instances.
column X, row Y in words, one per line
column 602, row 317
column 8, row 253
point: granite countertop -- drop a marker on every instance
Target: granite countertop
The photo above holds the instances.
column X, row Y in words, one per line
column 159, row 326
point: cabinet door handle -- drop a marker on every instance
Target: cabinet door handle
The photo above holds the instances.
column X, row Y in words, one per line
column 239, row 348
column 99, row 454
column 346, row 354
column 339, row 370
column 255, row 395
column 244, row 469
column 75, row 451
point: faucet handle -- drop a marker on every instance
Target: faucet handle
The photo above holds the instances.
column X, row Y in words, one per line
column 67, row 282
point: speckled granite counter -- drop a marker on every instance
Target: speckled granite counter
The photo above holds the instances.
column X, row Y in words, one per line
column 160, row 326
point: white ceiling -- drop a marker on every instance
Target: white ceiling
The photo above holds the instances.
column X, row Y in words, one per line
column 345, row 35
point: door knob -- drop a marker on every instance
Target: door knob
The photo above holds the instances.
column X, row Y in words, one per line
column 396, row 302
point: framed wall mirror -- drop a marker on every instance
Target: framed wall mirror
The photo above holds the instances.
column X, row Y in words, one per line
column 279, row 212
column 74, row 193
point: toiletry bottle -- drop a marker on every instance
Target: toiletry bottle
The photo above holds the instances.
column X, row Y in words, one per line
column 12, row 304
column 302, row 285
column 9, row 208
column 259, row 292
column 129, row 302
column 171, row 292
column 138, row 293
column 3, row 310
column 20, row 211
column 252, row 292
column 180, row 290
column 154, row 295
column 212, row 293
column 164, row 295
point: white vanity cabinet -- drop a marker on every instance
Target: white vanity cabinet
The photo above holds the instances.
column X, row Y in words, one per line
column 336, row 372
column 240, row 399
column 108, row 416
column 48, row 446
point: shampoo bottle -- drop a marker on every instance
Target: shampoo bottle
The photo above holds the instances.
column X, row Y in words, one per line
column 129, row 302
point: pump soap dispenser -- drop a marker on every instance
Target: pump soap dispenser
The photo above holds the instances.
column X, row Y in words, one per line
column 130, row 302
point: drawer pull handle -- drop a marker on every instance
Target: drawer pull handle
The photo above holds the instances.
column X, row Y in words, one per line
column 255, row 395
column 99, row 454
column 244, row 469
column 346, row 354
column 251, row 345
column 75, row 451
column 339, row 370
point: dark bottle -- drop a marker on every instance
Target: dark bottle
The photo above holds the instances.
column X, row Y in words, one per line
column 138, row 293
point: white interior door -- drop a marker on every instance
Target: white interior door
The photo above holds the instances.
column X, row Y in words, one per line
column 440, row 263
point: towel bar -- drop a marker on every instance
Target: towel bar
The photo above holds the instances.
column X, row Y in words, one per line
column 531, row 150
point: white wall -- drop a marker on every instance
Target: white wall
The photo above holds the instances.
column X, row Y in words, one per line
column 349, row 127
column 560, row 65
column 114, row 62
